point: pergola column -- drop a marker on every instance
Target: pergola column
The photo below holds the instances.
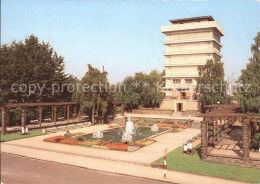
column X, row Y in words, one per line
column 221, row 127
column 216, row 128
column 55, row 114
column 23, row 120
column 211, row 133
column 68, row 113
column 245, row 138
column 52, row 115
column 79, row 113
column 75, row 111
column 204, row 139
column 40, row 115
column 225, row 126
column 114, row 114
column 123, row 109
column 3, row 120
column 65, row 107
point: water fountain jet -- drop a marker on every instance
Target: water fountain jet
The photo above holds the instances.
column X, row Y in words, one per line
column 154, row 128
column 98, row 135
column 129, row 130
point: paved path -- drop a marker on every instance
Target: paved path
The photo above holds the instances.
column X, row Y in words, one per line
column 116, row 167
column 22, row 170
column 81, row 156
column 144, row 156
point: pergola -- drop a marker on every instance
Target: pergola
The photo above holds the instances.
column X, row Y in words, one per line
column 7, row 106
column 218, row 121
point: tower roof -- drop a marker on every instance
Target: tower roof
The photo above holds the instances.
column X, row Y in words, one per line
column 192, row 19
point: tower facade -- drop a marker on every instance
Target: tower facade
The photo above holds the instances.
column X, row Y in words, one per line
column 189, row 43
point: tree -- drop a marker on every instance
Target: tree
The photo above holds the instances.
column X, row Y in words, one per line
column 210, row 83
column 94, row 96
column 31, row 62
column 140, row 90
column 249, row 93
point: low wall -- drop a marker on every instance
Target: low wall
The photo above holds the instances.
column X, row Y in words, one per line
column 186, row 122
column 232, row 160
column 192, row 113
column 152, row 111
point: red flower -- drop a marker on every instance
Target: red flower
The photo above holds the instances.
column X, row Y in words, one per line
column 55, row 138
column 115, row 146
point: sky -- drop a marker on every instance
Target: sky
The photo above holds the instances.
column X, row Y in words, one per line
column 125, row 36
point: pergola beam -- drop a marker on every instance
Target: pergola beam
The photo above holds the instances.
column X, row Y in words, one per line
column 14, row 105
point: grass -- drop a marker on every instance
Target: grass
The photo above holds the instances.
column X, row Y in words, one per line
column 178, row 161
column 15, row 136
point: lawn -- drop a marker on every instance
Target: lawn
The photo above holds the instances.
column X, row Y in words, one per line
column 14, row 136
column 178, row 161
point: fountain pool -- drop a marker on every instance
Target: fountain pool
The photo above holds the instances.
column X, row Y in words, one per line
column 115, row 135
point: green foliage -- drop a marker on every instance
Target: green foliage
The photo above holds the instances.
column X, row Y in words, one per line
column 166, row 121
column 145, row 122
column 67, row 134
column 15, row 136
column 80, row 138
column 140, row 90
column 178, row 161
column 32, row 62
column 211, row 84
column 249, row 93
column 256, row 141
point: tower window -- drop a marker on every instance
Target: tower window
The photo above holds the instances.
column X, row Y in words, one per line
column 188, row 81
column 176, row 81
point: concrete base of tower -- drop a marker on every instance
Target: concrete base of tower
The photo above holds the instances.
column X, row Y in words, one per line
column 180, row 105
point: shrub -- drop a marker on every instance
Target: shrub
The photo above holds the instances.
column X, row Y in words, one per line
column 166, row 121
column 80, row 138
column 67, row 134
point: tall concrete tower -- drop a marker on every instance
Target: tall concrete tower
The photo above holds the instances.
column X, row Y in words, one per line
column 189, row 43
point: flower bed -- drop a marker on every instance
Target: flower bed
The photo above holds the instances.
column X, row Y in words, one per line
column 55, row 139
column 115, row 146
column 100, row 144
column 178, row 128
column 165, row 125
column 146, row 142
